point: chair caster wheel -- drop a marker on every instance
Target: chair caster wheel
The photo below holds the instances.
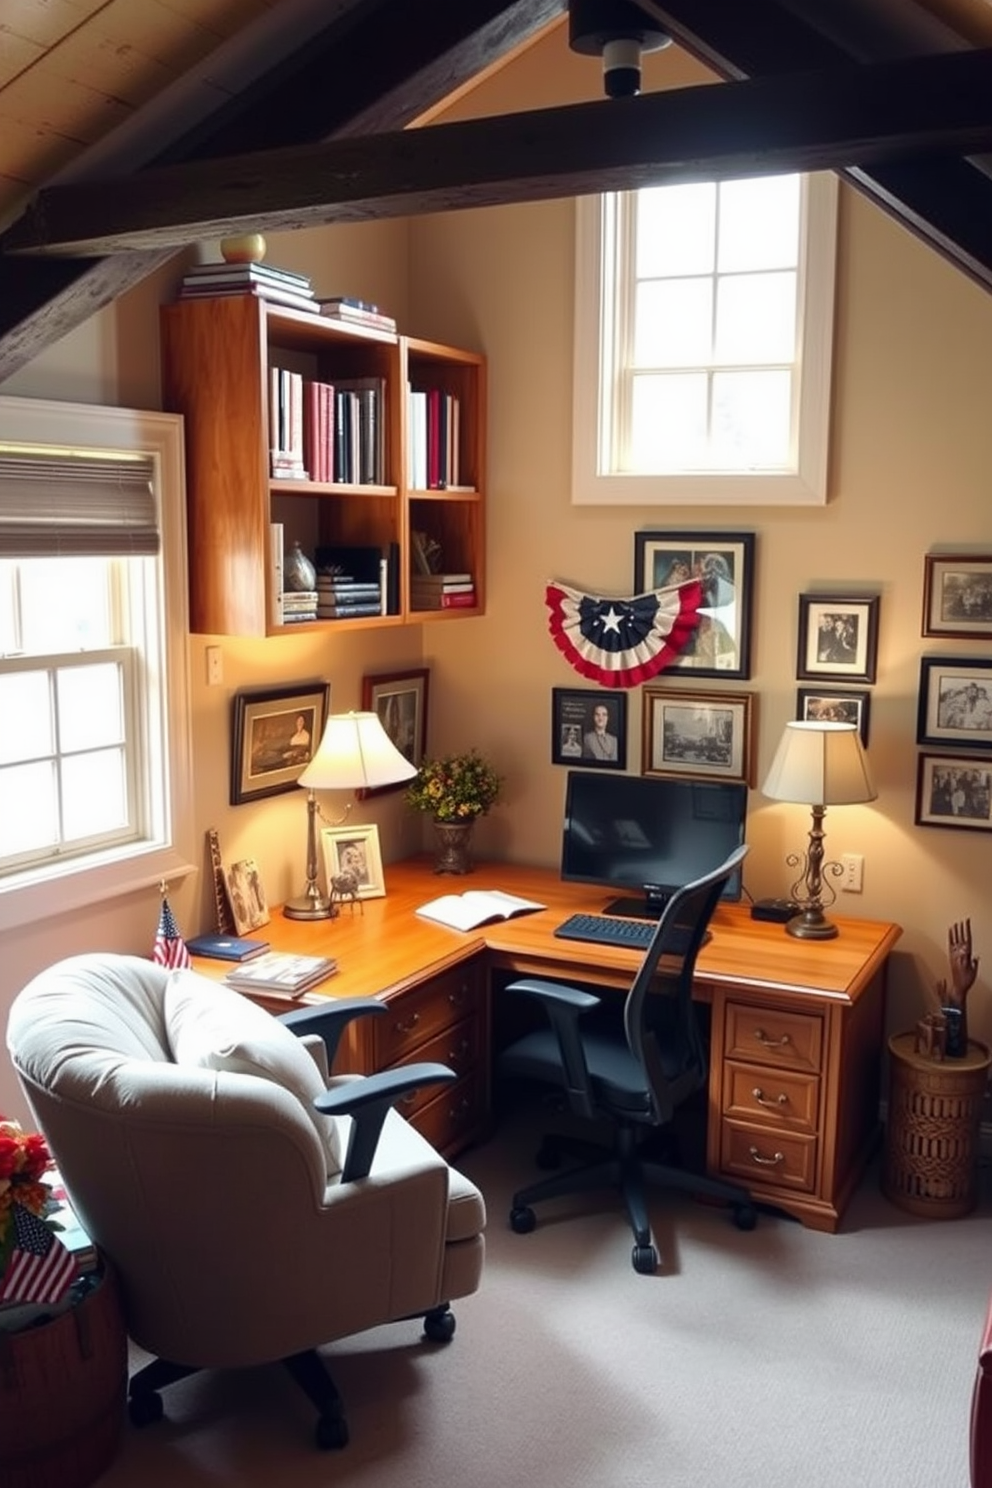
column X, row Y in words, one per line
column 644, row 1259
column 145, row 1408
column 745, row 1216
column 331, row 1432
column 522, row 1220
column 439, row 1327
column 547, row 1156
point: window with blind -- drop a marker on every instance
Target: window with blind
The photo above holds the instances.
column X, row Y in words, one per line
column 703, row 340
column 94, row 719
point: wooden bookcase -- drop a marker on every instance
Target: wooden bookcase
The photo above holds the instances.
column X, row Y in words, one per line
column 216, row 356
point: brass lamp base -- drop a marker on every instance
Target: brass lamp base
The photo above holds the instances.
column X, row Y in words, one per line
column 812, row 924
column 316, row 908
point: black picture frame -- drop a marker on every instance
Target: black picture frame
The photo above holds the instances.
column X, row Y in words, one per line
column 267, row 754
column 834, row 705
column 838, row 637
column 954, row 791
column 721, row 644
column 957, row 595
column 400, row 700
column 575, row 739
column 955, row 702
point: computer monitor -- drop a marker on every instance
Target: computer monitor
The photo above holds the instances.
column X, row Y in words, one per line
column 649, row 834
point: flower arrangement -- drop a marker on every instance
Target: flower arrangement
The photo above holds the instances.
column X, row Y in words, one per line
column 24, row 1160
column 455, row 788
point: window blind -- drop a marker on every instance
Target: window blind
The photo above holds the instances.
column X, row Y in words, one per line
column 63, row 504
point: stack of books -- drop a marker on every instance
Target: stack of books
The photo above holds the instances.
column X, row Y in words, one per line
column 280, row 286
column 340, row 596
column 280, row 974
column 299, row 604
column 356, row 312
column 442, row 591
column 286, row 425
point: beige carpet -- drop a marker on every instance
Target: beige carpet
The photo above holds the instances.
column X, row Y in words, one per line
column 772, row 1359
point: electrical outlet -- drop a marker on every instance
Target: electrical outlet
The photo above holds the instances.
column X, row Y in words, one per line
column 854, row 872
column 215, row 666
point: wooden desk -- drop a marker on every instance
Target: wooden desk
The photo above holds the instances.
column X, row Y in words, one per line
column 796, row 1030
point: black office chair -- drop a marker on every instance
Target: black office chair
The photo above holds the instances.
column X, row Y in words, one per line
column 635, row 1073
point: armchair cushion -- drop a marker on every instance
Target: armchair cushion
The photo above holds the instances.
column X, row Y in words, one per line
column 214, row 1027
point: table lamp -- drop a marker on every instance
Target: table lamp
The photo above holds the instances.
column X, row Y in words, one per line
column 355, row 752
column 820, row 765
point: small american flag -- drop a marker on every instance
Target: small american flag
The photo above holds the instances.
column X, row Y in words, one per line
column 170, row 948
column 40, row 1268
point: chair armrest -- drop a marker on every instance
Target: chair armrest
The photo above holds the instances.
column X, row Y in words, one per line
column 329, row 1020
column 555, row 992
column 565, row 1006
column 367, row 1100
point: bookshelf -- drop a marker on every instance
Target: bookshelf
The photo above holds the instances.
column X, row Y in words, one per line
column 217, row 360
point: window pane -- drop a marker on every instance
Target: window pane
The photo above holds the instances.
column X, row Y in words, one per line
column 28, row 808
column 90, row 708
column 668, row 421
column 95, row 793
column 673, row 323
column 81, row 617
column 675, row 229
column 759, row 224
column 751, row 420
column 25, row 716
column 756, row 318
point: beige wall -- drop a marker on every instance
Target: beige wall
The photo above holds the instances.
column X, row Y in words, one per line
column 910, row 456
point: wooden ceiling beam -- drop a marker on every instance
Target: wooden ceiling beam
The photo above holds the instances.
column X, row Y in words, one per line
column 855, row 115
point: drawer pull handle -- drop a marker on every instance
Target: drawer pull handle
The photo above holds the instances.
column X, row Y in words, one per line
column 763, row 1100
column 409, row 1025
column 457, row 998
column 770, row 1043
column 767, row 1162
column 457, row 1054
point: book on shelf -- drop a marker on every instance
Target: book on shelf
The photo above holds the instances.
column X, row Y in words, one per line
column 477, row 907
column 280, row 972
column 442, row 583
column 238, row 273
column 226, row 947
column 274, row 294
column 349, row 611
column 357, row 312
column 331, row 587
column 464, row 599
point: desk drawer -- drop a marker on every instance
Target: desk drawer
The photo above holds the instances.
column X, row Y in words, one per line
column 459, row 1047
column 777, row 1097
column 778, row 1158
column 418, row 1015
column 455, row 1116
column 771, row 1036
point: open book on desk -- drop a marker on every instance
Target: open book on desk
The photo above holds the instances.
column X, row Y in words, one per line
column 476, row 907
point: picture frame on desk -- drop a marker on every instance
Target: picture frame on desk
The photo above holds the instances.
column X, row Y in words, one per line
column 400, row 700
column 354, row 851
column 273, row 735
column 589, row 728
column 701, row 734
column 723, row 562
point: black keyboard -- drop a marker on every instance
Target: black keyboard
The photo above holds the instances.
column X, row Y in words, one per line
column 608, row 930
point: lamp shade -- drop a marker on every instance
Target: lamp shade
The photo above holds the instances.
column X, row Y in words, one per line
column 820, row 764
column 355, row 753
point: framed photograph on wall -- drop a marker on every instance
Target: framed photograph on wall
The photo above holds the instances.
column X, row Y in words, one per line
column 589, row 728
column 400, row 699
column 274, row 734
column 822, row 705
column 698, row 733
column 953, row 792
column 838, row 636
column 724, row 564
column 354, row 851
column 955, row 702
column 957, row 595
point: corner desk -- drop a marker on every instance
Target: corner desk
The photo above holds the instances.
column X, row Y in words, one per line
column 796, row 1027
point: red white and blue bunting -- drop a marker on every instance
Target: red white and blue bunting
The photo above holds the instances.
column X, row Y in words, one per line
column 622, row 642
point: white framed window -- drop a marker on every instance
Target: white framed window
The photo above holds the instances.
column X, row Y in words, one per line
column 95, row 755
column 703, row 343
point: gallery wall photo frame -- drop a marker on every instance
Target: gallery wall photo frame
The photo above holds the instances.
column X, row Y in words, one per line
column 701, row 734
column 834, row 705
column 274, row 734
column 400, row 700
column 354, row 850
column 589, row 728
column 724, row 564
column 838, row 637
column 955, row 702
column 957, row 595
column 954, row 791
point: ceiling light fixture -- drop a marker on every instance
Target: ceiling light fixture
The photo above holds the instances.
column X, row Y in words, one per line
column 618, row 31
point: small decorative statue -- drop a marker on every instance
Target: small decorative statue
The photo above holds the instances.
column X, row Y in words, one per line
column 945, row 1031
column 345, row 886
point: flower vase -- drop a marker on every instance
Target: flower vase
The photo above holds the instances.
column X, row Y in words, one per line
column 454, row 846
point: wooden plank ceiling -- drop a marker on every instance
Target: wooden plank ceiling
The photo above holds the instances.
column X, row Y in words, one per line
column 129, row 128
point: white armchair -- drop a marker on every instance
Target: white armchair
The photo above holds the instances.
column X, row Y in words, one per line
column 252, row 1209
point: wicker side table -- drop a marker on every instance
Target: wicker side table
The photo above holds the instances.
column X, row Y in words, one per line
column 935, row 1107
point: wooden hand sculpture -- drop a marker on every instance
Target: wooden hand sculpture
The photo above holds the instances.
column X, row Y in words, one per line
column 964, row 970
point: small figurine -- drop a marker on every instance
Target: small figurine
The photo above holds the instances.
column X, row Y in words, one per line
column 345, row 886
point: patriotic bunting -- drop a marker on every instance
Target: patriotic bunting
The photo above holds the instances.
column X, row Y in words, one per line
column 622, row 642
